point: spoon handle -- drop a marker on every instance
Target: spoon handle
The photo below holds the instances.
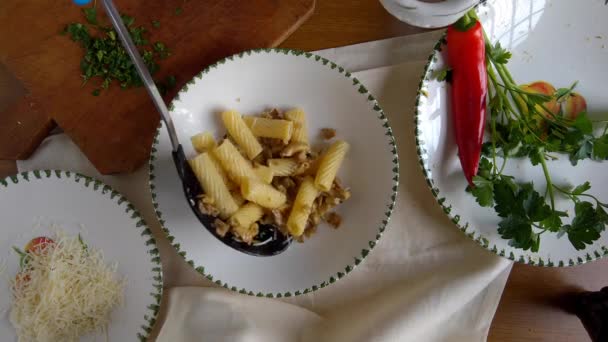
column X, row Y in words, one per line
column 142, row 70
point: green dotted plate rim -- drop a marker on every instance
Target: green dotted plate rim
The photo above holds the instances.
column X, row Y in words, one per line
column 118, row 198
column 389, row 207
column 465, row 227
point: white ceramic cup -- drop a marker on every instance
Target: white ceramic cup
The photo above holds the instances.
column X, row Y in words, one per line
column 426, row 14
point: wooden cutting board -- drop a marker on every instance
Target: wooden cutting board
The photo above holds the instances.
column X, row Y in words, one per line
column 115, row 130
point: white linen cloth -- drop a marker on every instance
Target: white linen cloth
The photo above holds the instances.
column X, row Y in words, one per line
column 425, row 281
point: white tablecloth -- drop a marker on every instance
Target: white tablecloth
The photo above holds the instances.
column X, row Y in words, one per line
column 425, row 281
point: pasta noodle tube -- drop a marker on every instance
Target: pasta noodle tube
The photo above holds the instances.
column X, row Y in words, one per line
column 237, row 167
column 264, row 173
column 207, row 173
column 247, row 215
column 262, row 194
column 270, row 128
column 283, row 167
column 302, row 206
column 314, row 166
column 239, row 131
column 300, row 129
column 203, row 142
column 238, row 198
column 330, row 164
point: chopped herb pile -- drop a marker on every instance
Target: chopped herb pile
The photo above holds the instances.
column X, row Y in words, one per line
column 528, row 123
column 106, row 59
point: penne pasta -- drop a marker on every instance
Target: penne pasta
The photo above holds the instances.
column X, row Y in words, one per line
column 270, row 128
column 237, row 167
column 238, row 198
column 264, row 173
column 230, row 184
column 302, row 206
column 329, row 165
column 237, row 175
column 241, row 134
column 203, row 142
column 300, row 129
column 314, row 167
column 207, row 173
column 283, row 167
column 262, row 194
column 247, row 215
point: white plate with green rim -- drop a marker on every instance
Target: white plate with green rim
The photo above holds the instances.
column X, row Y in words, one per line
column 42, row 203
column 251, row 82
column 558, row 41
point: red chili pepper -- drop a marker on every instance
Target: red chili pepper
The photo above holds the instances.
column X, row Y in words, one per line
column 467, row 60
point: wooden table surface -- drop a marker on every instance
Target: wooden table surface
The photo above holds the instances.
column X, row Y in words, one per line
column 526, row 311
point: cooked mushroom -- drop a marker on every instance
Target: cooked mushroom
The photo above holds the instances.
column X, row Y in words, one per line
column 293, row 148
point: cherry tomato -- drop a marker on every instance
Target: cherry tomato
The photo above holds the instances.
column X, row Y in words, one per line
column 39, row 244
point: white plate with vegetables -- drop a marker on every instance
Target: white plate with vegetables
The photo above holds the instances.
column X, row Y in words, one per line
column 538, row 188
column 77, row 262
column 282, row 138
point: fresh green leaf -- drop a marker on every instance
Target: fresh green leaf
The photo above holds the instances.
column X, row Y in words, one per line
column 581, row 189
column 84, row 245
column 583, row 151
column 601, row 214
column 127, row 20
column 19, row 251
column 583, row 124
column 91, row 15
column 586, row 225
column 155, row 23
column 485, row 168
column 535, row 206
column 534, row 99
column 553, row 222
column 519, row 232
column 483, row 191
column 561, row 93
column 505, row 200
column 444, row 75
column 536, row 157
column 104, row 56
column 24, row 258
column 600, row 147
column 500, row 55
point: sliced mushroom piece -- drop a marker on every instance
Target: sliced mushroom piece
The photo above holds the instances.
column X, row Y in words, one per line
column 294, row 148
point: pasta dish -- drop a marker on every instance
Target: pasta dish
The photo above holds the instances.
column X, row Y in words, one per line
column 264, row 171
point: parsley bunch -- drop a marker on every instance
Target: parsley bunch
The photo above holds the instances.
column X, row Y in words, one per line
column 521, row 125
column 106, row 59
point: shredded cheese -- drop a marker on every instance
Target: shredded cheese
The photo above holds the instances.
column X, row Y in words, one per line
column 64, row 292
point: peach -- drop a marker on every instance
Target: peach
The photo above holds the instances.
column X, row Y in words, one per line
column 544, row 88
column 574, row 105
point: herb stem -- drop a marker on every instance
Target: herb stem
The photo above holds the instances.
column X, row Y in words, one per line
column 508, row 81
column 572, row 196
column 543, row 163
column 493, row 139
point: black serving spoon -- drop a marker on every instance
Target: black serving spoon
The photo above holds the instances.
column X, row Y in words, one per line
column 269, row 241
